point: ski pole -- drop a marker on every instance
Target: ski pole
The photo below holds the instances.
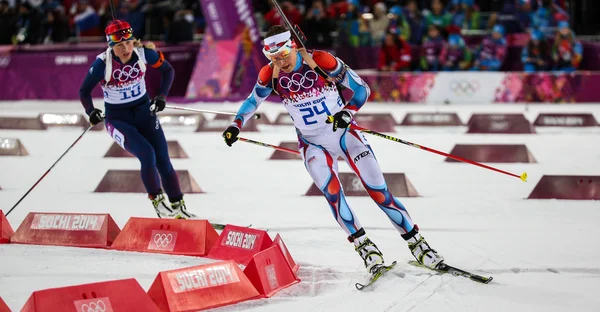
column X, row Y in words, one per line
column 279, row 148
column 255, row 116
column 523, row 176
column 47, row 171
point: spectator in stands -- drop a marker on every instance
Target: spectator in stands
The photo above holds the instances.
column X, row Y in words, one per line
column 567, row 51
column 317, row 27
column 398, row 24
column 87, row 20
column 437, row 16
column 548, row 15
column 536, row 54
column 28, row 24
column 7, row 23
column 395, row 54
column 56, row 26
column 492, row 51
column 380, row 23
column 456, row 55
column 291, row 12
column 466, row 15
column 131, row 11
column 416, row 22
column 431, row 49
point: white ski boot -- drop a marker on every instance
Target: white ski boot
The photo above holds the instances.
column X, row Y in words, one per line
column 421, row 250
column 180, row 210
column 160, row 206
column 367, row 250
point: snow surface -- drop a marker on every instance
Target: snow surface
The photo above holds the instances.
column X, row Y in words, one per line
column 543, row 254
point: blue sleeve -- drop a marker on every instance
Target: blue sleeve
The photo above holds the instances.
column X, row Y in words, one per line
column 251, row 103
column 167, row 73
column 93, row 77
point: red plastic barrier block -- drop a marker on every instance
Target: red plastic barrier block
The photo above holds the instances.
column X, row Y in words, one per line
column 376, row 122
column 270, row 272
column 493, row 153
column 286, row 253
column 175, row 150
column 3, row 306
column 6, row 231
column 240, row 244
column 221, row 122
column 118, row 295
column 201, row 287
column 130, row 181
column 565, row 120
column 12, row 147
column 21, row 123
column 499, row 123
column 397, row 183
column 67, row 229
column 180, row 120
column 167, row 236
column 567, row 187
column 431, row 119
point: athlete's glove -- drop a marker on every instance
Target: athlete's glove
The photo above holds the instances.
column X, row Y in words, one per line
column 158, row 104
column 341, row 119
column 231, row 135
column 96, row 117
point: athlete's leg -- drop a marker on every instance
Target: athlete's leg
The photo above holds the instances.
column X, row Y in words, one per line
column 361, row 159
column 129, row 138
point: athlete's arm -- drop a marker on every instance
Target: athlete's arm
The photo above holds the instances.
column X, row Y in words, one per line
column 94, row 76
column 262, row 89
column 345, row 76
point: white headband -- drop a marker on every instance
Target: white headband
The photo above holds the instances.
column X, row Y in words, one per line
column 273, row 41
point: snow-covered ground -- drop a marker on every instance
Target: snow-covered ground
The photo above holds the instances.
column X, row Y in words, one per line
column 543, row 254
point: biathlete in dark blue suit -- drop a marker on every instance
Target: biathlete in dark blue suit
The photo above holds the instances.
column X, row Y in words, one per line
column 130, row 114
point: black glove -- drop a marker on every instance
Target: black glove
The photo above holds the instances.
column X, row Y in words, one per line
column 231, row 135
column 301, row 36
column 158, row 104
column 341, row 119
column 96, row 117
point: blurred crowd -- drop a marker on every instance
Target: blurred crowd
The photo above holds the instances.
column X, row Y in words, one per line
column 441, row 30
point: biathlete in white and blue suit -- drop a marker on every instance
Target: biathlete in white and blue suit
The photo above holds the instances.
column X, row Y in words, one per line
column 311, row 100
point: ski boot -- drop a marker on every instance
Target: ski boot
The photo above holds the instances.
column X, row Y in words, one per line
column 421, row 250
column 160, row 206
column 367, row 250
column 180, row 211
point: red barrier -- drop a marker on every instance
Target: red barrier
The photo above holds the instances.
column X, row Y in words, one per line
column 431, row 119
column 12, row 147
column 270, row 272
column 175, row 151
column 67, row 229
column 130, row 181
column 493, row 153
column 567, row 187
column 3, row 306
column 167, row 236
column 6, row 230
column 239, row 244
column 288, row 257
column 499, row 123
column 565, row 120
column 119, row 295
column 201, row 287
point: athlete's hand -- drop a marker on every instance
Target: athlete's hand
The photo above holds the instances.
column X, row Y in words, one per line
column 158, row 104
column 231, row 135
column 96, row 117
column 341, row 119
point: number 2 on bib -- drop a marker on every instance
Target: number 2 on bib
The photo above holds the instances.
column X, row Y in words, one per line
column 312, row 111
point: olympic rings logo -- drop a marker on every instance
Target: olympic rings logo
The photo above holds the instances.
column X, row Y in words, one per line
column 464, row 87
column 298, row 81
column 163, row 240
column 94, row 307
column 127, row 72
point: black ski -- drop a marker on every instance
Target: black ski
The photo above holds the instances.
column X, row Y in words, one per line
column 375, row 275
column 445, row 268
